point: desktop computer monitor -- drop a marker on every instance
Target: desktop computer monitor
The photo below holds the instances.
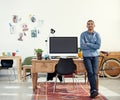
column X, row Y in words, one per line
column 63, row 46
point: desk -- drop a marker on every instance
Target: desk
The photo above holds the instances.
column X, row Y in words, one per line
column 18, row 62
column 48, row 66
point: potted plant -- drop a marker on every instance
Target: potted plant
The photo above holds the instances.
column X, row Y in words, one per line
column 38, row 53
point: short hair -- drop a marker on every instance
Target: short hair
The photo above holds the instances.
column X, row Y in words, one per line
column 90, row 21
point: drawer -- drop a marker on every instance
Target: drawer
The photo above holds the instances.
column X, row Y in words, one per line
column 45, row 67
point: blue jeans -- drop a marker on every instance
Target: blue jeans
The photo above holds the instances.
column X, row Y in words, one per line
column 91, row 65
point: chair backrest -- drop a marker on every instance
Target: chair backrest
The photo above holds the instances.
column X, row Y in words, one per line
column 65, row 66
column 7, row 63
column 27, row 60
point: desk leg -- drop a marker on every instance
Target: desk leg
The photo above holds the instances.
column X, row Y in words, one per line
column 34, row 80
column 97, row 83
column 19, row 69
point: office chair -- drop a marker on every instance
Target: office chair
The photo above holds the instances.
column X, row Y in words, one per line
column 6, row 65
column 65, row 66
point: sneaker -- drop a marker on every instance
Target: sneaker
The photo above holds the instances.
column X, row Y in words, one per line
column 93, row 94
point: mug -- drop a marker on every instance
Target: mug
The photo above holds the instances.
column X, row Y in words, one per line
column 13, row 53
column 8, row 54
column 3, row 53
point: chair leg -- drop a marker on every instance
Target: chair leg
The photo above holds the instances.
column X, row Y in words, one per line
column 54, row 87
column 8, row 75
column 24, row 74
column 14, row 72
column 73, row 77
column 63, row 79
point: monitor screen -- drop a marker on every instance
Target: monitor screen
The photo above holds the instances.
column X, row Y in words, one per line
column 63, row 45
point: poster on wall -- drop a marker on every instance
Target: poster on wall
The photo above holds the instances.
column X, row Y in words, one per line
column 33, row 33
column 33, row 19
column 15, row 19
column 12, row 28
column 20, row 37
column 40, row 23
column 24, row 27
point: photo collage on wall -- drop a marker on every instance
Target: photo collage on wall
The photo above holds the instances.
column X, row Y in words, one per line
column 20, row 27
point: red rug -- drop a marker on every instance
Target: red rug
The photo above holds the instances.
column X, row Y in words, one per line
column 64, row 91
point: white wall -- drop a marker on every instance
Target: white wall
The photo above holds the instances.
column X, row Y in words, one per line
column 67, row 17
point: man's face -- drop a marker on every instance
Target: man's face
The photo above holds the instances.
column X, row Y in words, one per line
column 90, row 25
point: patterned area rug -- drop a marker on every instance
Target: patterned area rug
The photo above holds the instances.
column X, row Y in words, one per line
column 64, row 91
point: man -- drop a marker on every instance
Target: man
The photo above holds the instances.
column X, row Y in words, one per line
column 90, row 42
